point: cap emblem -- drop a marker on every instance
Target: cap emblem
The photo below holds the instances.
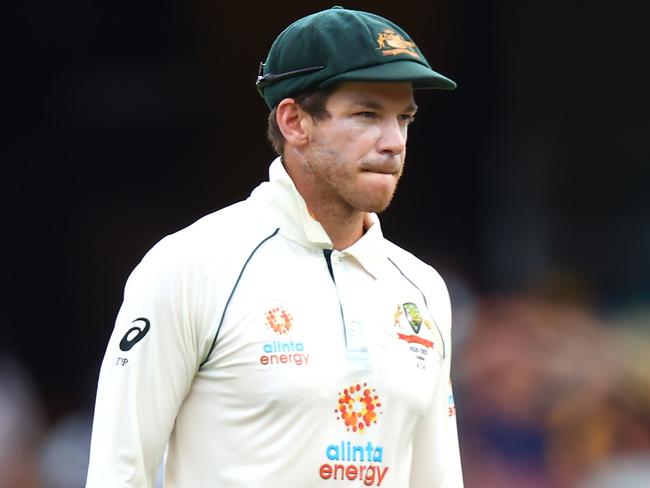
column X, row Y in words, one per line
column 391, row 44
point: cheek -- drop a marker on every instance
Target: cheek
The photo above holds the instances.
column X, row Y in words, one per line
column 353, row 134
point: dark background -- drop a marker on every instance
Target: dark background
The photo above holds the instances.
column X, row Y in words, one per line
column 127, row 121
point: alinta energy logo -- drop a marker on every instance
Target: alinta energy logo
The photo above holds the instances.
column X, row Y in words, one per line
column 279, row 320
column 282, row 352
column 451, row 403
column 359, row 408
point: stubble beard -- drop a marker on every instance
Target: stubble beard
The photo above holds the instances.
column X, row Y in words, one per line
column 340, row 186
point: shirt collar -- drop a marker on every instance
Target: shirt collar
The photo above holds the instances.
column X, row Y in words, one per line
column 297, row 224
column 369, row 251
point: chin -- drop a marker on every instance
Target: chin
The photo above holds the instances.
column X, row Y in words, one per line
column 378, row 199
column 375, row 204
column 379, row 208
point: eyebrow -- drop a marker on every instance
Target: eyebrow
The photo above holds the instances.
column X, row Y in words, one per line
column 373, row 105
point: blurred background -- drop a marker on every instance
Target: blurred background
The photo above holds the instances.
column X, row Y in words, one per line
column 526, row 188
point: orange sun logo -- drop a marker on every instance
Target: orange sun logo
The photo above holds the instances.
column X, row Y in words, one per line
column 279, row 320
column 358, row 407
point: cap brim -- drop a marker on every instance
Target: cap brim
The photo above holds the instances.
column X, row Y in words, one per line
column 396, row 71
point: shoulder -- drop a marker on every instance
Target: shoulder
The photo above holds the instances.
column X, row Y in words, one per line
column 414, row 267
column 423, row 276
column 210, row 243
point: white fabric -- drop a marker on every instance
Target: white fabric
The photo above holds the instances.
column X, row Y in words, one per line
column 267, row 406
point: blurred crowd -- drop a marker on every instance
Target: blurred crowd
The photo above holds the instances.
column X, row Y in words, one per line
column 550, row 394
column 35, row 453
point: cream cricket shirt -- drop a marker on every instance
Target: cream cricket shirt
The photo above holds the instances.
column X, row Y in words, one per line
column 252, row 355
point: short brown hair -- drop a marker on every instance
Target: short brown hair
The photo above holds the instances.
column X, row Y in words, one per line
column 313, row 103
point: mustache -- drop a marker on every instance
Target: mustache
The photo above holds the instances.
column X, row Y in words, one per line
column 387, row 165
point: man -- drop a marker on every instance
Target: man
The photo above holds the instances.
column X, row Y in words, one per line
column 282, row 341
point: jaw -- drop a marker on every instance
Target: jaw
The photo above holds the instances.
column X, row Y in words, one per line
column 373, row 191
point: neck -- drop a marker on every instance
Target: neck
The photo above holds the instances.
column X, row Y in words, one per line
column 343, row 224
column 344, row 229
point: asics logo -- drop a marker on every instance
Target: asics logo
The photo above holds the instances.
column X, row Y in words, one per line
column 129, row 340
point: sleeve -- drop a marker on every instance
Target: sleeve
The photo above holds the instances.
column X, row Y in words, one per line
column 436, row 454
column 149, row 365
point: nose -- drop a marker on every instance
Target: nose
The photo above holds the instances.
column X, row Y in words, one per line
column 393, row 137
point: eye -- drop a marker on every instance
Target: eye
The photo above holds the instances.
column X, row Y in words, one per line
column 366, row 115
column 406, row 119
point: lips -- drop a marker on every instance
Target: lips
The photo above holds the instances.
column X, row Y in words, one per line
column 381, row 171
column 384, row 167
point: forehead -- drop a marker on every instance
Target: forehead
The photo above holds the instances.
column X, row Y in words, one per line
column 398, row 96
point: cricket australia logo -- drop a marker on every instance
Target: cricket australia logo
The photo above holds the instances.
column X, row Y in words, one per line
column 414, row 319
column 391, row 44
column 413, row 316
column 408, row 321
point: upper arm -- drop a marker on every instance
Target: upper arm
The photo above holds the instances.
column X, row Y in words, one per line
column 149, row 365
column 436, row 455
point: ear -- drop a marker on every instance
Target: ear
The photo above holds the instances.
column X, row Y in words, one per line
column 293, row 122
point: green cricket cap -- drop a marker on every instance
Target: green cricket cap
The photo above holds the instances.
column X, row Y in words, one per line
column 338, row 45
